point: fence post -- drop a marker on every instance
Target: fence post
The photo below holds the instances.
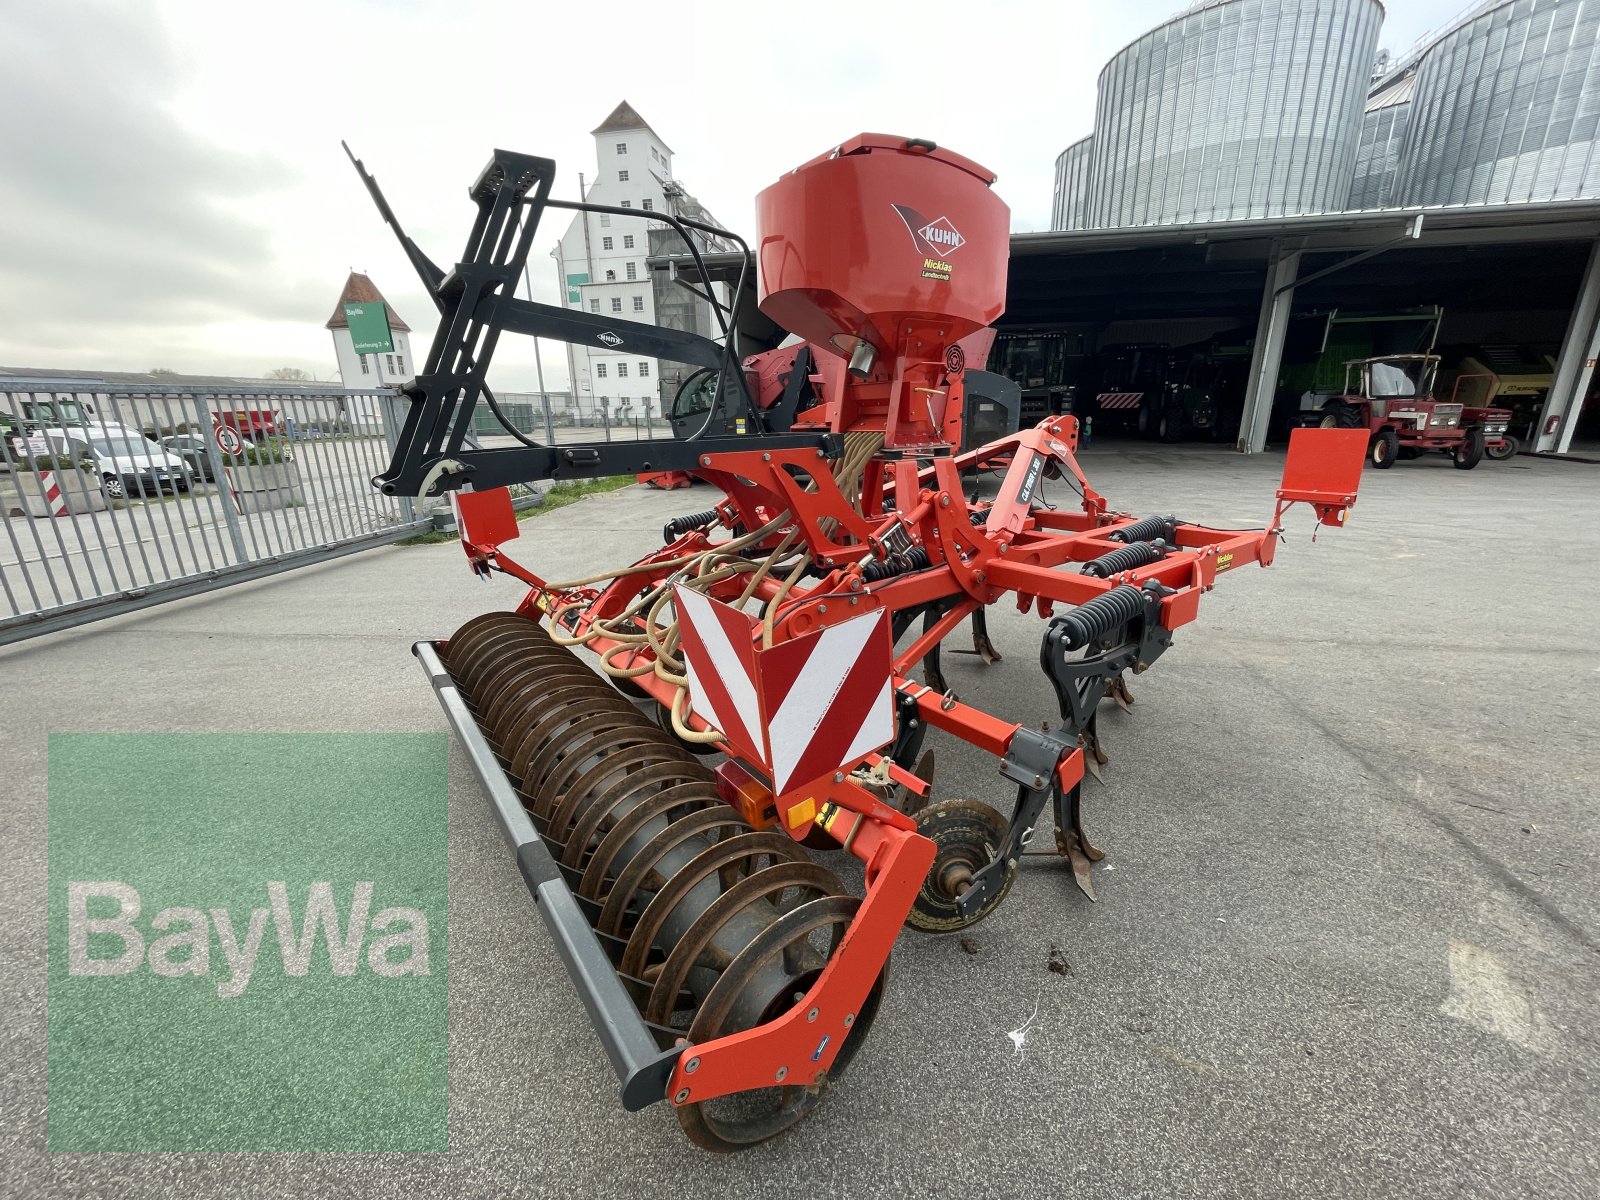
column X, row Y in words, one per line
column 230, row 515
column 549, row 421
column 605, row 417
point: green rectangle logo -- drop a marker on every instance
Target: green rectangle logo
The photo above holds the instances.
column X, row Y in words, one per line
column 247, row 942
column 369, row 326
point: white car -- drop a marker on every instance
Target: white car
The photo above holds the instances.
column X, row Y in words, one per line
column 130, row 463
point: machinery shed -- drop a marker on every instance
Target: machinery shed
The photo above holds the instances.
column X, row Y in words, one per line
column 1526, row 274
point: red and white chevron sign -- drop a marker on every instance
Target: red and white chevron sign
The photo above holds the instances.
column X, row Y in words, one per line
column 1119, row 399
column 805, row 707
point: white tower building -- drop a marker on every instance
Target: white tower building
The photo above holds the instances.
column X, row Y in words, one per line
column 361, row 372
column 601, row 264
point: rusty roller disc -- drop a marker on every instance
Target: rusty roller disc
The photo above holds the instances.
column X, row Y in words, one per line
column 541, row 718
column 714, row 859
column 681, row 799
column 552, row 743
column 619, row 800
column 592, row 784
column 732, row 1006
column 467, row 663
column 474, row 632
column 640, row 875
column 540, row 747
column 494, row 677
column 591, row 743
column 510, row 657
column 566, row 698
column 491, row 678
column 524, row 691
column 495, row 651
column 587, row 743
column 696, row 945
column 536, row 794
column 458, row 650
column 463, row 638
column 544, row 706
column 556, row 806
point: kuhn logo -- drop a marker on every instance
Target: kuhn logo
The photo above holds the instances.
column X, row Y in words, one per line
column 935, row 238
column 608, row 339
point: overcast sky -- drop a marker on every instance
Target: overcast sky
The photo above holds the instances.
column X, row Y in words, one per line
column 172, row 192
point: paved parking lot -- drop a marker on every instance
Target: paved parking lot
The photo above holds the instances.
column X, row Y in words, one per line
column 1346, row 941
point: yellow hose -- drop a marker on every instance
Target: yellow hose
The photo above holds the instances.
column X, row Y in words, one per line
column 705, row 568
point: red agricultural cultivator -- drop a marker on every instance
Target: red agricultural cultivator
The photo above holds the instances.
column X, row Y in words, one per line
column 751, row 690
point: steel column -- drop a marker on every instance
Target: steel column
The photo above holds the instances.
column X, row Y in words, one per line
column 1575, row 366
column 1277, row 299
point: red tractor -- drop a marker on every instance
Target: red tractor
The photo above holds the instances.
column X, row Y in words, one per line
column 1392, row 397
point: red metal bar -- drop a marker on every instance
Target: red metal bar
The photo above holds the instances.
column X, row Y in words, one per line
column 799, row 1048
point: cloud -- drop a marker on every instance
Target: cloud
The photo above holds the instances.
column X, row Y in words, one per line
column 172, row 190
column 120, row 222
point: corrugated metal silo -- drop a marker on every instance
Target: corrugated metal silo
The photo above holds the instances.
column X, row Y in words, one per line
column 1507, row 107
column 1233, row 109
column 1383, row 131
column 1072, row 184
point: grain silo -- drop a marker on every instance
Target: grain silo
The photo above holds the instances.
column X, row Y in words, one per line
column 1506, row 108
column 1383, row 131
column 1233, row 109
column 1072, row 184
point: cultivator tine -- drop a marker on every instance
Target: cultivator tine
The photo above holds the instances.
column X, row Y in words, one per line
column 1073, row 844
column 981, row 645
column 1117, row 689
column 1082, row 874
column 1094, row 757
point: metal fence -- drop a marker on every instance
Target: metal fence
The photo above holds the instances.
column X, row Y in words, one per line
column 562, row 418
column 116, row 500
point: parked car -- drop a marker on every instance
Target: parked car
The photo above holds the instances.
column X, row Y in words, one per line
column 191, row 448
column 134, row 466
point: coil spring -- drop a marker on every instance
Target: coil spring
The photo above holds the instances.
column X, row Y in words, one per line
column 1147, row 530
column 676, row 885
column 679, row 526
column 1100, row 616
column 914, row 559
column 1139, row 554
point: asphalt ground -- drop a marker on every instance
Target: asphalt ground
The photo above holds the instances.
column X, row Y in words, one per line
column 1346, row 938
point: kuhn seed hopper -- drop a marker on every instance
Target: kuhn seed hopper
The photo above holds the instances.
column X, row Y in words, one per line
column 725, row 970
